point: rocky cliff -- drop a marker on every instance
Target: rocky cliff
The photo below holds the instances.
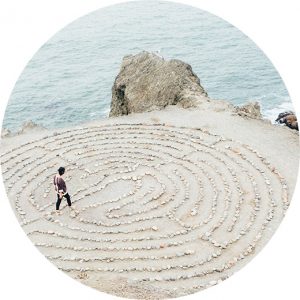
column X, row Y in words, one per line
column 148, row 82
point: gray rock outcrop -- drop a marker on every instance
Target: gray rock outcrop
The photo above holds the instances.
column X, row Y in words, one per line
column 249, row 110
column 148, row 82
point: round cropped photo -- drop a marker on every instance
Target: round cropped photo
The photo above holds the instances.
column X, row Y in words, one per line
column 149, row 150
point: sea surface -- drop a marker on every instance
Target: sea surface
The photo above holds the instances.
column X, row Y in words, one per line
column 69, row 80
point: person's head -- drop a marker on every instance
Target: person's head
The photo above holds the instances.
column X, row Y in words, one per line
column 61, row 170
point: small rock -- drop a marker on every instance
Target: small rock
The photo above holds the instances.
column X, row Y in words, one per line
column 250, row 110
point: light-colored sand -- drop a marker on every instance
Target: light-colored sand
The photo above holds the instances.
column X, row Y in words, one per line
column 168, row 202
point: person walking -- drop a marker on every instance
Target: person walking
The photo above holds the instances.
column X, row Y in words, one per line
column 61, row 188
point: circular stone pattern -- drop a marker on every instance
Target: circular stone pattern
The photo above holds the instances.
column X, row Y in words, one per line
column 168, row 208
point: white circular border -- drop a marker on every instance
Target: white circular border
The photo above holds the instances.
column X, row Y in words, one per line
column 26, row 25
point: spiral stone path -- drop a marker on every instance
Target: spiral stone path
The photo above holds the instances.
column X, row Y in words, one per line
column 163, row 208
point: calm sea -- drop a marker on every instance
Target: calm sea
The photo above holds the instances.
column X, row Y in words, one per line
column 69, row 80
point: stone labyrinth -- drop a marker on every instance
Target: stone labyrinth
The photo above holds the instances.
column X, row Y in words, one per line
column 171, row 208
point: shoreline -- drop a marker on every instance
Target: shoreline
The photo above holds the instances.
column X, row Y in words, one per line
column 271, row 119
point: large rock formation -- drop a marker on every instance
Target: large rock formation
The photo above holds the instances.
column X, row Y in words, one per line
column 149, row 82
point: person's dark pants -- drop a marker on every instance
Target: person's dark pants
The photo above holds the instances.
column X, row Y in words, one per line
column 67, row 196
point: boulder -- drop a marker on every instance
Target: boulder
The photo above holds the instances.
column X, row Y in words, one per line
column 148, row 82
column 283, row 114
column 289, row 119
column 249, row 110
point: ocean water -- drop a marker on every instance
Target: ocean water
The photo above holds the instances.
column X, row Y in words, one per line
column 69, row 80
